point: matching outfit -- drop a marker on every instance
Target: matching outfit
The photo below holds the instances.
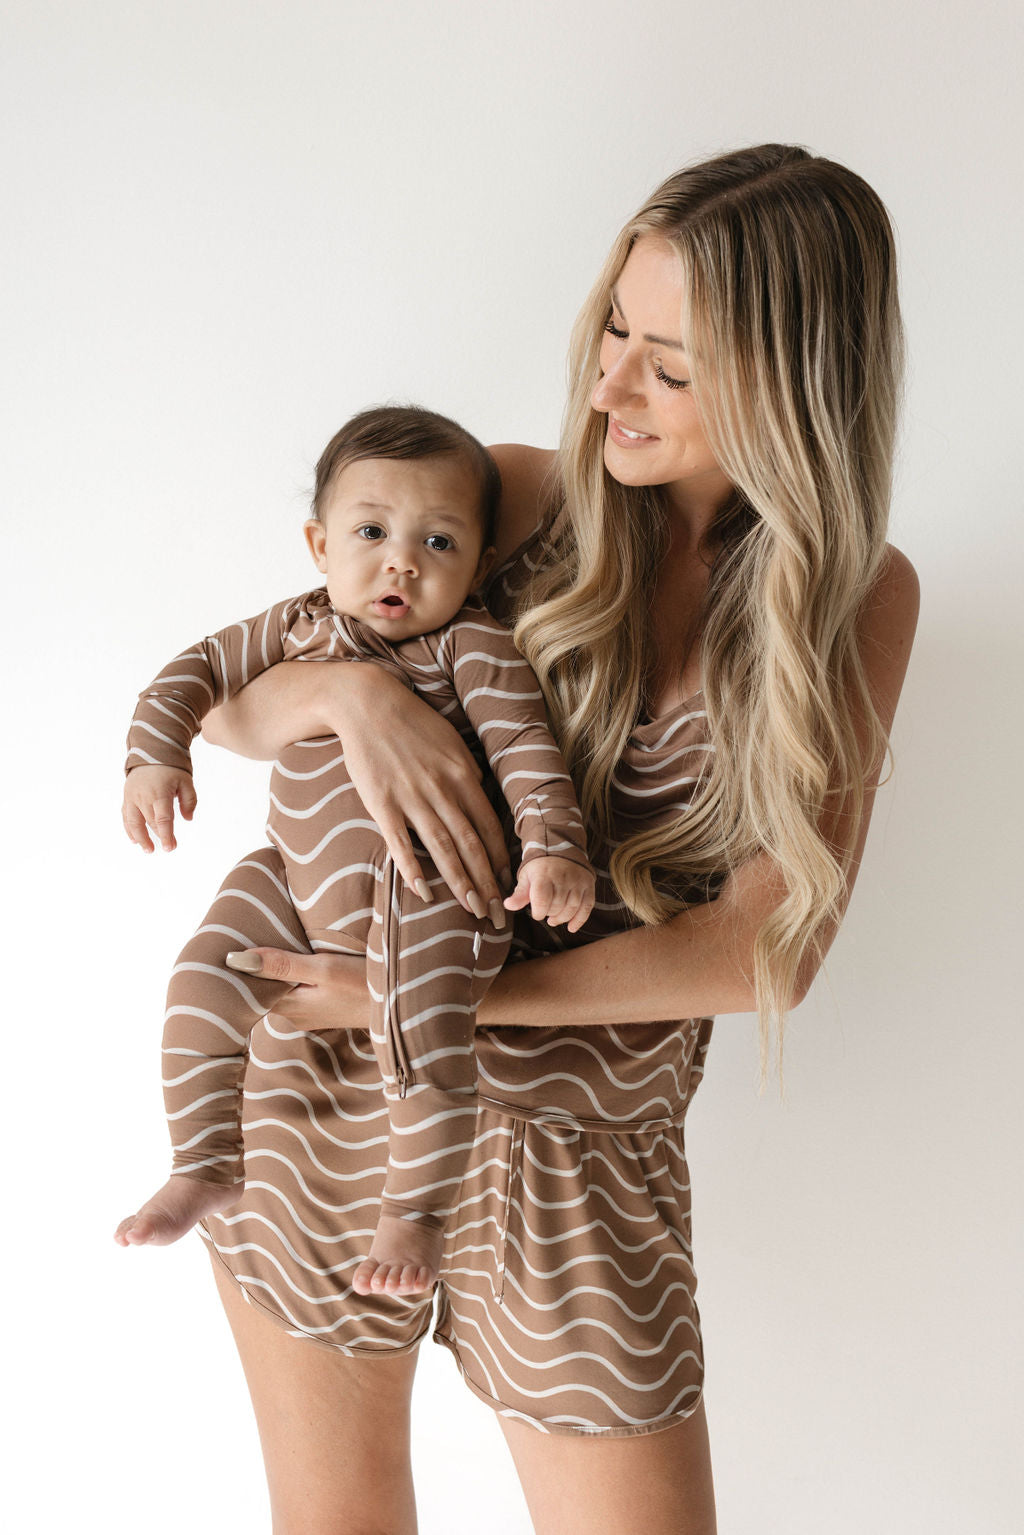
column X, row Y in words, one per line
column 567, row 1291
column 327, row 884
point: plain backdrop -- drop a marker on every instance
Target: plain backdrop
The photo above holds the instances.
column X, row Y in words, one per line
column 226, row 227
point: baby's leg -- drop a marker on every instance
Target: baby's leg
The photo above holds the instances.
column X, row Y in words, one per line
column 211, row 1010
column 427, row 968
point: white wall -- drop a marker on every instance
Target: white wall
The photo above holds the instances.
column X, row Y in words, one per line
column 228, row 226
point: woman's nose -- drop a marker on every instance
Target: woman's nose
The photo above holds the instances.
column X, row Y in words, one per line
column 620, row 385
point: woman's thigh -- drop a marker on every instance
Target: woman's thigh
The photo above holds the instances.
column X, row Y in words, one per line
column 659, row 1483
column 334, row 1429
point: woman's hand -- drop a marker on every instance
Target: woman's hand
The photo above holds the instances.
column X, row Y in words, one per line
column 409, row 766
column 329, row 989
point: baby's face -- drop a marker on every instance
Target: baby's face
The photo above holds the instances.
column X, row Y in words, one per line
column 401, row 543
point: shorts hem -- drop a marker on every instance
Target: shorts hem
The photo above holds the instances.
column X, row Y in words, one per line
column 385, row 1351
column 621, row 1431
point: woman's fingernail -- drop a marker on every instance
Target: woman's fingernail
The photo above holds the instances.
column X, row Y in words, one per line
column 247, row 960
column 423, row 890
column 475, row 904
column 497, row 912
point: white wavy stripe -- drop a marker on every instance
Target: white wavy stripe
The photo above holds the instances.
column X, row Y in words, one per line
column 248, row 899
column 441, row 1054
column 370, row 1175
column 355, row 1234
column 208, row 1063
column 321, row 1130
column 656, row 1217
column 452, row 1148
column 658, row 790
column 279, row 1156
column 580, row 1200
column 643, row 1318
column 304, row 815
column 491, row 660
column 194, row 1166
column 218, row 1023
column 284, row 1064
column 570, row 1358
column 204, row 1134
column 597, row 1260
column 226, row 977
column 584, row 1047
column 697, row 714
column 514, row 1090
column 268, row 874
column 659, row 766
column 151, row 730
column 510, row 751
column 318, row 772
column 339, row 830
column 422, row 1190
column 304, row 904
column 198, row 1103
column 429, row 943
column 594, row 1155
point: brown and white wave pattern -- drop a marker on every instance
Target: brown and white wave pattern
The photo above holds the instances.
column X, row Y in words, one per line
column 567, row 1288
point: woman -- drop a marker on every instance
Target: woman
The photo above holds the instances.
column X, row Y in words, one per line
column 703, row 585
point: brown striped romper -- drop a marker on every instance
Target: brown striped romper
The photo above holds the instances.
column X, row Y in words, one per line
column 328, row 885
column 567, row 1289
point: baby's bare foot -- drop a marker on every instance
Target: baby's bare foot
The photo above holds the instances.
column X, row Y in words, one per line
column 173, row 1210
column 404, row 1259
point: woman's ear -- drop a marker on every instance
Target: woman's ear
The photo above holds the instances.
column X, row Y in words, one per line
column 483, row 569
column 316, row 540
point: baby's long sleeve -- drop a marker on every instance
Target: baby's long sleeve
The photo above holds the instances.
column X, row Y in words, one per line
column 170, row 711
column 502, row 699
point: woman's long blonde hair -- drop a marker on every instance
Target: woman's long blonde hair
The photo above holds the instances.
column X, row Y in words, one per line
column 790, row 271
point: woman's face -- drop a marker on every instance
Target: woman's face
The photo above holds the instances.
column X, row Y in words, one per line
column 655, row 435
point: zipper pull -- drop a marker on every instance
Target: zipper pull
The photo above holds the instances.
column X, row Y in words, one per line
column 403, row 1083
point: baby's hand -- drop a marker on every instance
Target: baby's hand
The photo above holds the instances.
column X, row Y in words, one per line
column 556, row 889
column 149, row 795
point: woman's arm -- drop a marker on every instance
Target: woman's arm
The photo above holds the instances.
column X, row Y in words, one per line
column 700, row 963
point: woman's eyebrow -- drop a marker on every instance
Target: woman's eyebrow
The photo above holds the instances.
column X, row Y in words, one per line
column 657, row 340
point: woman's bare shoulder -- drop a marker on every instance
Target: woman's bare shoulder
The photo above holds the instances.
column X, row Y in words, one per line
column 887, row 626
column 523, row 473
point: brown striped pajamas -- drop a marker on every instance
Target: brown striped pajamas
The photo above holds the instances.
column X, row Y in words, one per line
column 327, row 884
column 567, row 1291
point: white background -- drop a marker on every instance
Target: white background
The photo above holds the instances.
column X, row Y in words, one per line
column 227, row 227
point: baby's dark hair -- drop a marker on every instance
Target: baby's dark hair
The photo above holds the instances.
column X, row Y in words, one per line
column 408, row 431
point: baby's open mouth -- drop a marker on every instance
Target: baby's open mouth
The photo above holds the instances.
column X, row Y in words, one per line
column 390, row 605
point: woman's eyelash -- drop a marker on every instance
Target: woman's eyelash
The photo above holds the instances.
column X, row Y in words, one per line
column 666, row 378
column 620, row 335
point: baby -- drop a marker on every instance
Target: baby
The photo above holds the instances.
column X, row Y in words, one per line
column 401, row 530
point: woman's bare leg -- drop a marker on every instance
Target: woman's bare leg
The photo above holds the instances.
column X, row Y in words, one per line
column 334, row 1430
column 581, row 1485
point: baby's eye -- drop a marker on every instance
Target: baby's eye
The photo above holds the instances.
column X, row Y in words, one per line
column 370, row 531
column 620, row 335
column 439, row 542
column 666, row 378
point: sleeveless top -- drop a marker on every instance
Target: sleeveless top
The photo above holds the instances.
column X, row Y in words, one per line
column 629, row 1078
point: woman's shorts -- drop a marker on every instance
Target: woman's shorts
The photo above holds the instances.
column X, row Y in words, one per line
column 567, row 1288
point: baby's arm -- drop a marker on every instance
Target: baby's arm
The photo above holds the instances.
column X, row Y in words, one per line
column 149, row 796
column 504, row 704
column 555, row 890
column 170, row 711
